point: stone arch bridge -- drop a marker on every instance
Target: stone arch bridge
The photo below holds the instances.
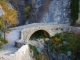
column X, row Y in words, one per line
column 50, row 28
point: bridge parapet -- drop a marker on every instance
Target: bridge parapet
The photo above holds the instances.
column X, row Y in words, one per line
column 38, row 24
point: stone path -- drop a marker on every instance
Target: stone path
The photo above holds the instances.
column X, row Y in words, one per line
column 8, row 49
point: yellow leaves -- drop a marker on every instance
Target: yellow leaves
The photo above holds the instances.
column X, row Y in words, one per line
column 10, row 17
column 4, row 6
column 27, row 9
column 55, row 40
column 1, row 21
column 4, row 27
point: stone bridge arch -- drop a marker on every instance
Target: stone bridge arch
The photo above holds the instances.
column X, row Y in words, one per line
column 27, row 37
column 46, row 33
column 50, row 28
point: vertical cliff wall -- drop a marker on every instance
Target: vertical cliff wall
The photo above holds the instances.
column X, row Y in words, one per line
column 20, row 5
column 56, row 11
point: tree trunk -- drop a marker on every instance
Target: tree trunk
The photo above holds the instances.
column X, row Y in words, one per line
column 4, row 34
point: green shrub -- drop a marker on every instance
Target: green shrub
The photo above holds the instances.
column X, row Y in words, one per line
column 2, row 1
column 2, row 41
column 66, row 41
column 40, row 56
column 33, row 48
column 27, row 11
column 37, row 55
column 74, row 10
column 77, row 25
column 20, row 35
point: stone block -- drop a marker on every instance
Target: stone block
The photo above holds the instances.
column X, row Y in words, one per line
column 19, row 44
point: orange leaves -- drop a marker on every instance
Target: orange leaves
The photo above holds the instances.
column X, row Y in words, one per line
column 4, row 6
column 28, row 9
column 55, row 40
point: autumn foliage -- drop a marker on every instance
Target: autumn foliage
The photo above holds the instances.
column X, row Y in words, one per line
column 10, row 16
column 27, row 11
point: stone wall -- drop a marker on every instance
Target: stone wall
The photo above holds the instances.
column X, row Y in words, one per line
column 22, row 54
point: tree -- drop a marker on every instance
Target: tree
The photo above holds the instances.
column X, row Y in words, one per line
column 9, row 18
column 74, row 10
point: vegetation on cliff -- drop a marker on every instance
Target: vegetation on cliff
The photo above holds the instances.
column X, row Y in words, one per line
column 2, row 41
column 65, row 42
column 27, row 11
column 9, row 18
column 37, row 55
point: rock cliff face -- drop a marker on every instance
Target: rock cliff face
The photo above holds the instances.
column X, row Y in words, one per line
column 56, row 11
column 20, row 6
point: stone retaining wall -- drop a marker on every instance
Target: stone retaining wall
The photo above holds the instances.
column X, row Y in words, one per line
column 74, row 29
column 22, row 54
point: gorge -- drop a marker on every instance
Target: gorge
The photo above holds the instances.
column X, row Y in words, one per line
column 52, row 17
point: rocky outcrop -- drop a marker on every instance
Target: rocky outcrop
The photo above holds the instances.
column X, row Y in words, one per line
column 1, row 11
column 20, row 6
column 56, row 11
